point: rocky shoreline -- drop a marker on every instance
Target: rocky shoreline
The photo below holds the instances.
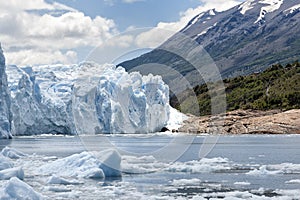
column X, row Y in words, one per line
column 245, row 122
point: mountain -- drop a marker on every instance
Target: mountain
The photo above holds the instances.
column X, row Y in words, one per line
column 244, row 39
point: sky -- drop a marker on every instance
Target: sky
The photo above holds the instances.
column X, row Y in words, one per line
column 34, row 32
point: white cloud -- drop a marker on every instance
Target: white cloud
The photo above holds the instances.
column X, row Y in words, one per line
column 164, row 30
column 33, row 56
column 33, row 38
column 131, row 1
column 109, row 2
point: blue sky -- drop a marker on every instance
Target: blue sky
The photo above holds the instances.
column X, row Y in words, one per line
column 34, row 32
column 146, row 13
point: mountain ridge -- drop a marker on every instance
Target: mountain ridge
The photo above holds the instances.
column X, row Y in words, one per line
column 242, row 40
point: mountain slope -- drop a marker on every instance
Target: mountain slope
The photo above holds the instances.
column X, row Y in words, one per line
column 245, row 39
column 277, row 87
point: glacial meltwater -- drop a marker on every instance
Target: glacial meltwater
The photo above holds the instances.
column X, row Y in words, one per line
column 237, row 167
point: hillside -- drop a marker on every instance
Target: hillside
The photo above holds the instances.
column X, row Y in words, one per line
column 245, row 39
column 277, row 87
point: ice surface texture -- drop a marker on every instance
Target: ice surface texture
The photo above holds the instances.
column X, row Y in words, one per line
column 85, row 165
column 5, row 113
column 17, row 189
column 85, row 99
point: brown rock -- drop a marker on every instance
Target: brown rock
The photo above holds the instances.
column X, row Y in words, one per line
column 246, row 122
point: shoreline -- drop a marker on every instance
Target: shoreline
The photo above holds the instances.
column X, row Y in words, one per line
column 240, row 122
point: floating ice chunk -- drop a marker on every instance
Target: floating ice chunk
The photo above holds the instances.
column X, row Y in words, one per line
column 295, row 181
column 5, row 163
column 283, row 168
column 78, row 165
column 201, row 166
column 17, row 189
column 141, row 165
column 242, row 183
column 85, row 165
column 62, row 181
column 183, row 182
column 263, row 170
column 110, row 162
column 12, row 153
column 12, row 172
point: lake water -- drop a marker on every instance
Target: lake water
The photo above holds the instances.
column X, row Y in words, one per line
column 162, row 166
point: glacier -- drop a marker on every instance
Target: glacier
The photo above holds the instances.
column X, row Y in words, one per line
column 85, row 99
column 5, row 112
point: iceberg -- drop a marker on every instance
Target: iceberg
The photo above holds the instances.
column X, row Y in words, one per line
column 12, row 172
column 5, row 112
column 12, row 153
column 5, row 163
column 94, row 165
column 85, row 99
column 17, row 189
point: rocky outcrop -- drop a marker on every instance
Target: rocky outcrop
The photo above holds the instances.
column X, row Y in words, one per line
column 5, row 113
column 246, row 122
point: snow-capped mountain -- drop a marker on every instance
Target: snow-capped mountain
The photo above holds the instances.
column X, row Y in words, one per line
column 244, row 39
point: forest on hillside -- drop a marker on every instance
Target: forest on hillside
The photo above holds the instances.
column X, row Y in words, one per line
column 278, row 87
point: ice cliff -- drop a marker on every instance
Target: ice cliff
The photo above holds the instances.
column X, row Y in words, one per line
column 5, row 113
column 85, row 98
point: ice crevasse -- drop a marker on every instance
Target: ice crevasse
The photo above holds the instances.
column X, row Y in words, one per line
column 85, row 99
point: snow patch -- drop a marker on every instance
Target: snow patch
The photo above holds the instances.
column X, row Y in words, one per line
column 212, row 12
column 292, row 9
column 193, row 21
column 206, row 30
column 244, row 7
column 272, row 6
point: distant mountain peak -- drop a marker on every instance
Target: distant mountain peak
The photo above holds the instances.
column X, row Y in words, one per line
column 203, row 17
column 242, row 40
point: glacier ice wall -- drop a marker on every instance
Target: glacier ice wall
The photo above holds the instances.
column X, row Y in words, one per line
column 36, row 105
column 5, row 113
column 86, row 99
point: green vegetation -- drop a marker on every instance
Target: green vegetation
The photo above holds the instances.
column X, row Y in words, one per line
column 277, row 87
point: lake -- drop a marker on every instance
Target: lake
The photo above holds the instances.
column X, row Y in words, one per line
column 162, row 166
